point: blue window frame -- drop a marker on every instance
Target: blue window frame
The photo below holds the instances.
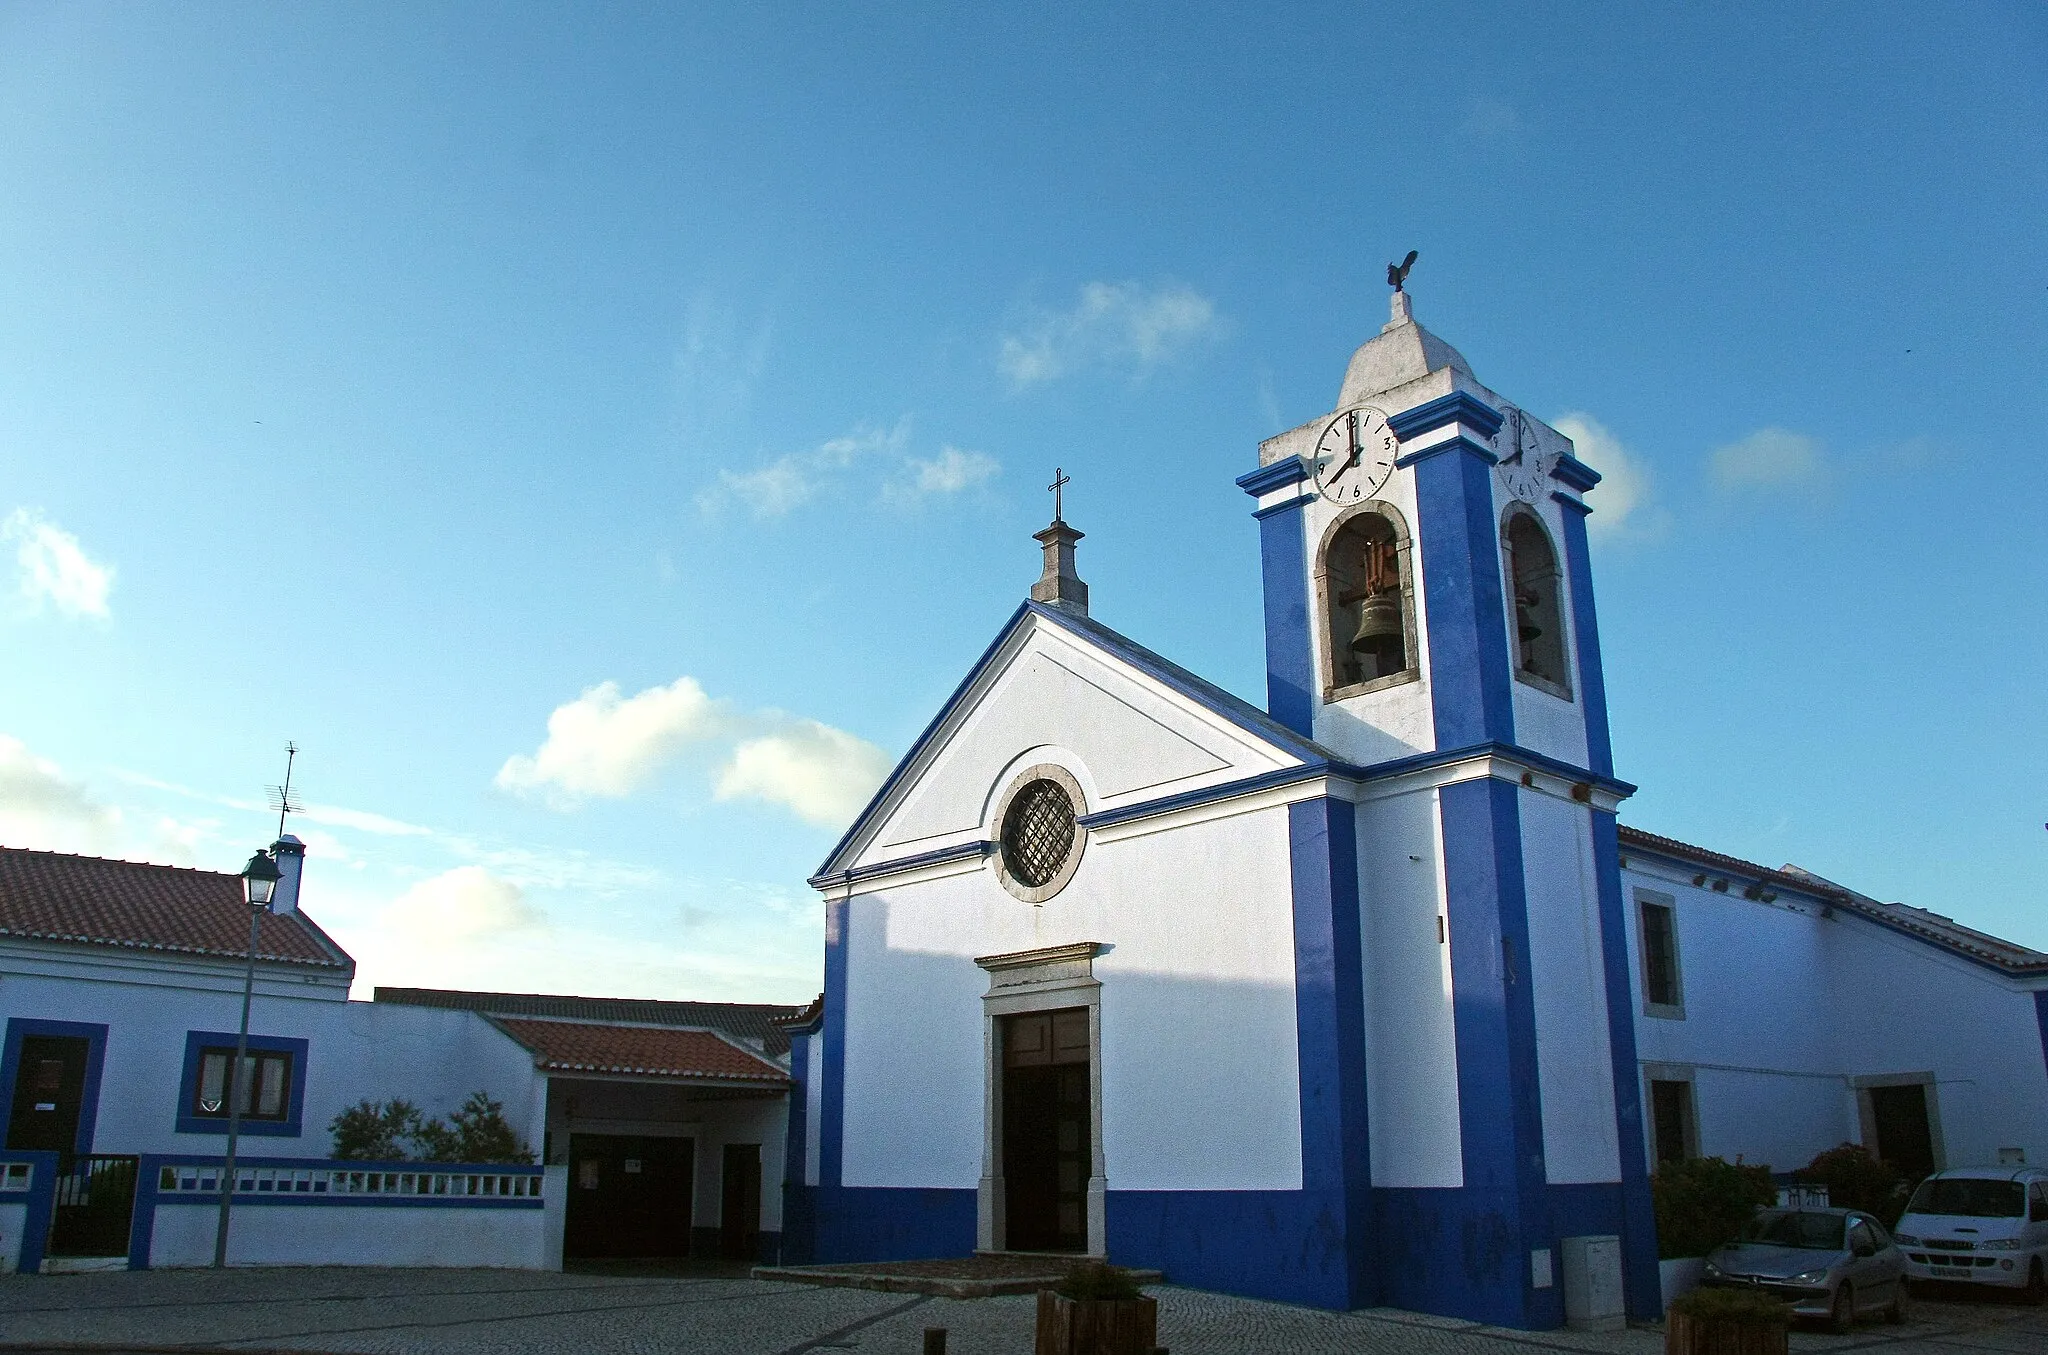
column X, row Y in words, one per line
column 95, row 1037
column 279, row 1085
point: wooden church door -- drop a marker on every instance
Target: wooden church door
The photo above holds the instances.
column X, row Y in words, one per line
column 1047, row 1134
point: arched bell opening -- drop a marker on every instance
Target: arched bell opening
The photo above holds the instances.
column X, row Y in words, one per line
column 1535, row 596
column 1363, row 575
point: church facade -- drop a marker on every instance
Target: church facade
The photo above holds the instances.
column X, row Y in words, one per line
column 1335, row 1002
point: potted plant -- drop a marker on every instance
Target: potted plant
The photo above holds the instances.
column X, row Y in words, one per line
column 1726, row 1322
column 1701, row 1203
column 1097, row 1310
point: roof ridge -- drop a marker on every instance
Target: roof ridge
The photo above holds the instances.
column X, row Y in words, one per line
column 120, row 861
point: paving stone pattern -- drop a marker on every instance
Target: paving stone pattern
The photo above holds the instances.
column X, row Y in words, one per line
column 463, row 1311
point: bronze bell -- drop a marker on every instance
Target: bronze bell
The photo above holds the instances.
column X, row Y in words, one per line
column 1525, row 623
column 1379, row 620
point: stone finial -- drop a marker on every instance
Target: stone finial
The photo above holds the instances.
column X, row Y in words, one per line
column 1059, row 585
column 1403, row 313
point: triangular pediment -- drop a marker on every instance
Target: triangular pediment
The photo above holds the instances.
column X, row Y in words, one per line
column 1134, row 727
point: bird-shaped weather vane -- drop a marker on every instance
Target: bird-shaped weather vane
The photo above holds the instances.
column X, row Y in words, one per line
column 1397, row 273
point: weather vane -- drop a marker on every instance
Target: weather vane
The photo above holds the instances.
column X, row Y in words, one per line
column 1059, row 481
column 1397, row 273
column 281, row 798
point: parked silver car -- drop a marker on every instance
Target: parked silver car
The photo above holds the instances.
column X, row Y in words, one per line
column 1836, row 1264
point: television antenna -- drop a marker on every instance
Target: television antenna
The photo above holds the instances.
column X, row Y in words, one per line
column 281, row 798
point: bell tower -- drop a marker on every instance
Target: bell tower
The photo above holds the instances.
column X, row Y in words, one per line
column 1429, row 620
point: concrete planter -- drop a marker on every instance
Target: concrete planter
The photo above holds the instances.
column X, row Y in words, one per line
column 1096, row 1326
column 1680, row 1275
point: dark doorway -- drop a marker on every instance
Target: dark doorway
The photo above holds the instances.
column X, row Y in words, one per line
column 1047, row 1139
column 1903, row 1136
column 739, row 1217
column 1671, row 1120
column 49, row 1094
column 629, row 1196
column 95, row 1206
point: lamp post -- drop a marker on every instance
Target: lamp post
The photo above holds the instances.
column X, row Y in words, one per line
column 259, row 881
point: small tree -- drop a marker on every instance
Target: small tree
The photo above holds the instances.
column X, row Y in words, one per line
column 370, row 1131
column 475, row 1133
column 1856, row 1180
column 1704, row 1201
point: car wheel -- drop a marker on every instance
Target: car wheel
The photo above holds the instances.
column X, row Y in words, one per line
column 2037, row 1288
column 1897, row 1312
column 1842, row 1313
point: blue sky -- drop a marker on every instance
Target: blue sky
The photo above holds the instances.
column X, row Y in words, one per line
column 602, row 436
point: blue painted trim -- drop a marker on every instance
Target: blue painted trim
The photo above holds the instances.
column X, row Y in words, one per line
column 1329, row 1014
column 795, row 1235
column 884, row 1223
column 1494, row 1018
column 1436, row 449
column 1471, row 693
column 154, row 1164
column 832, row 1097
column 1207, row 694
column 1578, row 563
column 95, row 1037
column 1286, row 471
column 1574, row 473
column 142, row 1221
column 1291, row 688
column 1380, row 771
column 42, row 1205
column 1457, row 407
column 1642, row 1285
column 1229, row 790
column 244, row 1200
column 188, row 1085
column 936, row 857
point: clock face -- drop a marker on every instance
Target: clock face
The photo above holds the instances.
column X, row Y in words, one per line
column 1526, row 458
column 1355, row 455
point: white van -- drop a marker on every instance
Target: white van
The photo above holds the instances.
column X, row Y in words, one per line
column 1984, row 1225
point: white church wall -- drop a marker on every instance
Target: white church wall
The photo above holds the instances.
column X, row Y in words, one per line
column 1785, row 1009
column 1576, row 1071
column 1180, row 1112
column 1410, row 1033
column 355, row 1051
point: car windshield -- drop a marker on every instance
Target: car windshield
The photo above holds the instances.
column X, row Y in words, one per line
column 1974, row 1199
column 1790, row 1228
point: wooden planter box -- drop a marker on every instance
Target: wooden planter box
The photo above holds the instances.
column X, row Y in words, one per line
column 1687, row 1335
column 1096, row 1326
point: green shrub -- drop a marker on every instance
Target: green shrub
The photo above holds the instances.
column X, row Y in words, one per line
column 1098, row 1280
column 1856, row 1180
column 1704, row 1201
column 395, row 1131
column 1737, row 1307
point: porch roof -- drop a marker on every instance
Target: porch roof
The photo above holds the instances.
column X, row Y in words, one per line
column 640, row 1051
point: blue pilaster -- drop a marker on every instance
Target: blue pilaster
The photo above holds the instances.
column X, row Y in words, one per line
column 1291, row 689
column 1578, row 564
column 1329, row 998
column 1505, row 1207
column 832, row 1101
column 1642, row 1287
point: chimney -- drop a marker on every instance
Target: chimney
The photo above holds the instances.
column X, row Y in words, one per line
column 1060, row 585
column 290, row 854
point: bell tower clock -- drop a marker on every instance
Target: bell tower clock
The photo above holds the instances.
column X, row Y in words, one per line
column 1429, row 621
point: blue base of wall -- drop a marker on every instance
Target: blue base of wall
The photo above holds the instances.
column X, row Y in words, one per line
column 1448, row 1252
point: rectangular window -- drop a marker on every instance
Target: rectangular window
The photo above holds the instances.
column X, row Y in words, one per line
column 1671, row 1120
column 264, row 1087
column 1662, row 993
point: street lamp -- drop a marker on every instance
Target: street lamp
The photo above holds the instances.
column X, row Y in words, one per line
column 259, row 882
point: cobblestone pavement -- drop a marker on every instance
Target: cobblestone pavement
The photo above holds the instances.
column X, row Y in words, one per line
column 462, row 1311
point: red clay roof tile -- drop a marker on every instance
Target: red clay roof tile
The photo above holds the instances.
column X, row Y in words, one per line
column 644, row 1051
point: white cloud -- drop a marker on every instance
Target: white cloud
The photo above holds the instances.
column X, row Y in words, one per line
column 950, row 472
column 465, row 904
column 795, row 478
column 600, row 744
column 1770, row 458
column 362, row 820
column 1120, row 326
column 42, row 808
column 55, row 570
column 824, row 775
column 605, row 744
column 1621, row 501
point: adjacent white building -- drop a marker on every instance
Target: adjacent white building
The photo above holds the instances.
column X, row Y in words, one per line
column 1364, row 997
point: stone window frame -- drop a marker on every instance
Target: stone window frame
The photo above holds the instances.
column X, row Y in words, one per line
column 1689, row 1128
column 1404, row 554
column 1064, row 779
column 1052, row 978
column 1663, row 1011
column 1560, row 687
column 1866, row 1110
